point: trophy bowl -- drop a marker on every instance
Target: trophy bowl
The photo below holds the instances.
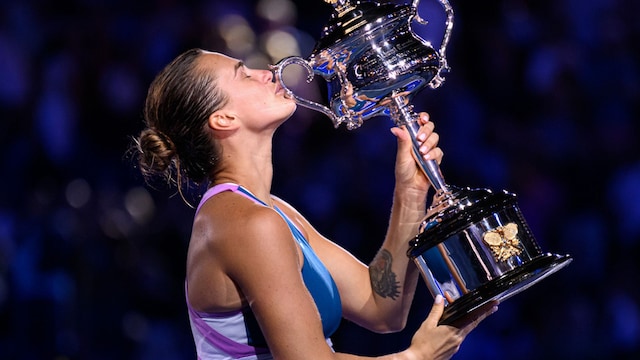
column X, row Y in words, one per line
column 474, row 247
column 367, row 54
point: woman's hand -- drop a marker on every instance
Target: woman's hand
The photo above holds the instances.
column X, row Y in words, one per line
column 408, row 173
column 433, row 341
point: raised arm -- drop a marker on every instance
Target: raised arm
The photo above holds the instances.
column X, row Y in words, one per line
column 268, row 273
column 393, row 276
column 378, row 296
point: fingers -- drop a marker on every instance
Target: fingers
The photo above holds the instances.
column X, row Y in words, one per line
column 428, row 139
column 401, row 134
column 425, row 134
column 426, row 129
column 436, row 154
column 423, row 118
column 428, row 146
column 436, row 312
column 429, row 150
column 482, row 312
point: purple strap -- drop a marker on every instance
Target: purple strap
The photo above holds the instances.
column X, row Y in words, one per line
column 218, row 189
column 215, row 190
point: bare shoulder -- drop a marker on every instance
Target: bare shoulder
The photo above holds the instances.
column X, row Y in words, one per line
column 285, row 206
column 342, row 265
column 301, row 222
column 232, row 221
column 232, row 239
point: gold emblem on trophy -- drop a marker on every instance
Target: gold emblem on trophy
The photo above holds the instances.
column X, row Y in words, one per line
column 503, row 241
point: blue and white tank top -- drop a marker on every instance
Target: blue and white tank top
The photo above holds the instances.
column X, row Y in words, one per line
column 236, row 334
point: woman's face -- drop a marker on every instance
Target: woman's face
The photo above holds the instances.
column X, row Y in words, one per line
column 252, row 94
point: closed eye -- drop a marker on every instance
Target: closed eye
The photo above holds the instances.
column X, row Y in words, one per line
column 240, row 67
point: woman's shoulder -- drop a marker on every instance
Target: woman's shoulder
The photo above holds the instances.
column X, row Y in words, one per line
column 229, row 219
column 296, row 216
column 288, row 209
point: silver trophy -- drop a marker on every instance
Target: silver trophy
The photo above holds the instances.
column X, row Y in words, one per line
column 475, row 246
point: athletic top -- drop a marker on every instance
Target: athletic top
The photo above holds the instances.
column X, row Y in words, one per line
column 236, row 334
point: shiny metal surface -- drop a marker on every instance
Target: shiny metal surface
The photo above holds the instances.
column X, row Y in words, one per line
column 367, row 54
column 374, row 63
column 480, row 249
column 474, row 246
column 463, row 261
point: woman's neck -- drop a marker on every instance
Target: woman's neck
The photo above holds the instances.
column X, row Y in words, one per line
column 247, row 160
column 252, row 174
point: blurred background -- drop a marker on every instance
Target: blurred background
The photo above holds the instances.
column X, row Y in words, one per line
column 542, row 100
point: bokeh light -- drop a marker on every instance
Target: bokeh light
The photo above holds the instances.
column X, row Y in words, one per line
column 542, row 100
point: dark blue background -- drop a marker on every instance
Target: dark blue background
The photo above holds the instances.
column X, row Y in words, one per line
column 543, row 100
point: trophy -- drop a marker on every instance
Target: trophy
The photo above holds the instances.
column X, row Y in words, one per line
column 474, row 247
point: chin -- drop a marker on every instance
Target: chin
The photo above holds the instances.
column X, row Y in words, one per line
column 293, row 110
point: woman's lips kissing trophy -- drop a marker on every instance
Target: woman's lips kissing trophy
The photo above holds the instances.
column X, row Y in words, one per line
column 475, row 246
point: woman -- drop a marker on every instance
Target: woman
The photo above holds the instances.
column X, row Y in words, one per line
column 261, row 282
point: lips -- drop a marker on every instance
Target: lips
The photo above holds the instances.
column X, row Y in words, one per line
column 280, row 90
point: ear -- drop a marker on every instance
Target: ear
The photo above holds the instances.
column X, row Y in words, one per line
column 222, row 120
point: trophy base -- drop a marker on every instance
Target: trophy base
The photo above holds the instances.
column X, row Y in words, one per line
column 468, row 306
column 477, row 250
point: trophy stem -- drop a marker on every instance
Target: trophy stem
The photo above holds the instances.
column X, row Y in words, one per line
column 403, row 114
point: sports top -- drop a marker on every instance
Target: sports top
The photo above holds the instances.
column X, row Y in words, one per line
column 236, row 334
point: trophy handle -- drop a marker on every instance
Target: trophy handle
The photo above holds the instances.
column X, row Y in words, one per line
column 444, row 67
column 279, row 67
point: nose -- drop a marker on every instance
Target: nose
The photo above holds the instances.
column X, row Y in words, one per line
column 273, row 74
column 270, row 75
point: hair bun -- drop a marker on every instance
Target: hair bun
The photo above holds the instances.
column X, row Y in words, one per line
column 156, row 151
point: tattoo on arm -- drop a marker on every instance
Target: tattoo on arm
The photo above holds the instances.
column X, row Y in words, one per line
column 383, row 280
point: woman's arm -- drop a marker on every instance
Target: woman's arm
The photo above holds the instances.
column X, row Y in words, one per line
column 378, row 297
column 266, row 266
column 393, row 276
column 265, row 263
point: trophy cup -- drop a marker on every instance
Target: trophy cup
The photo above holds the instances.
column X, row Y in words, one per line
column 474, row 247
